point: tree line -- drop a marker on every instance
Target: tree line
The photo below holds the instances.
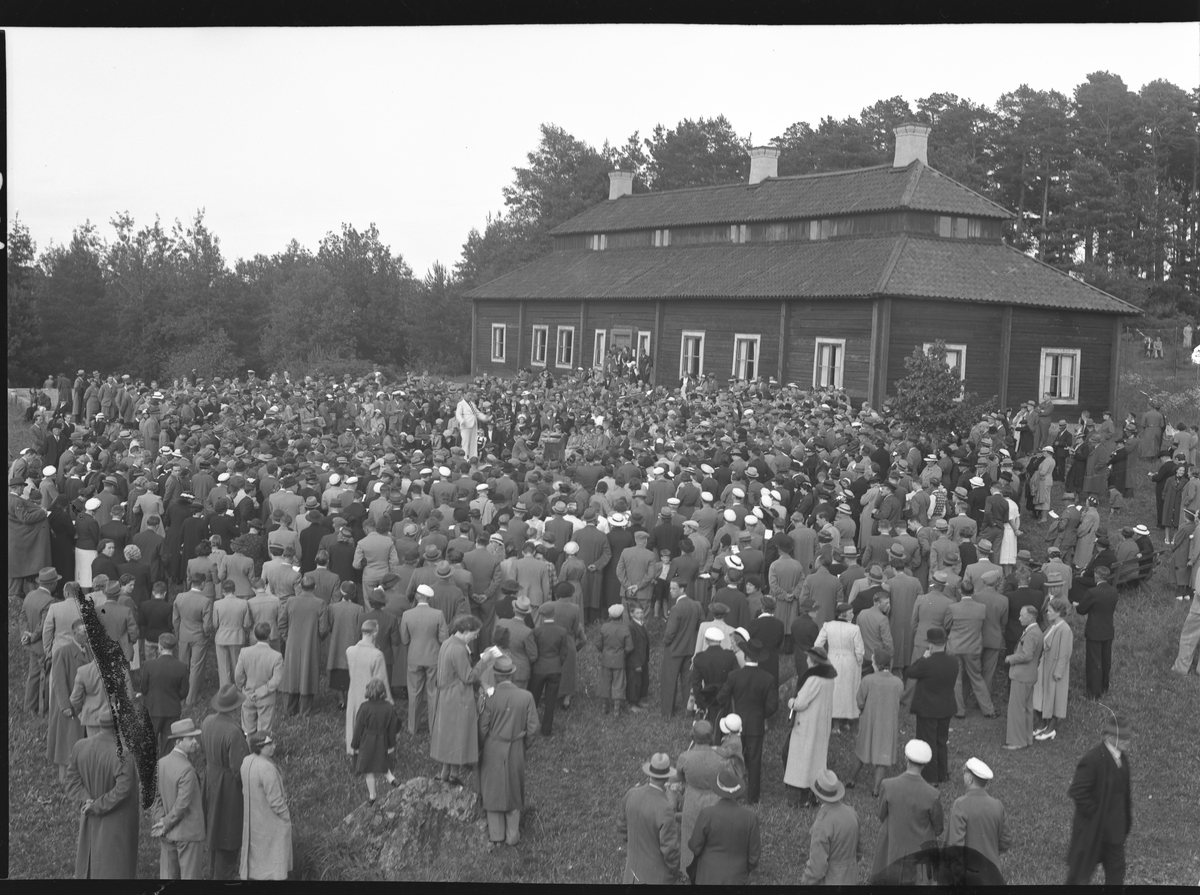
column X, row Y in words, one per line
column 1104, row 183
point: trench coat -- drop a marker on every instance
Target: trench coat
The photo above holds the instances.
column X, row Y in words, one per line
column 879, row 726
column 910, row 819
column 454, row 738
column 303, row 623
column 365, row 663
column 28, row 537
column 224, row 746
column 697, row 768
column 63, row 731
column 1089, row 524
column 108, row 833
column 808, row 750
column 507, row 727
column 835, row 847
column 593, row 550
column 267, row 832
column 1050, row 695
column 1097, row 780
column 1041, row 482
column 846, row 650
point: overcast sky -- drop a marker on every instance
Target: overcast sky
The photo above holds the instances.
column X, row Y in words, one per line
column 286, row 133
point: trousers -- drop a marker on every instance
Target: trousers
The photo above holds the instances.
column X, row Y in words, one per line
column 1096, row 667
column 752, row 749
column 504, row 826
column 1189, row 639
column 422, row 696
column 192, row 654
column 299, row 703
column 180, row 860
column 936, row 732
column 546, row 685
column 637, row 684
column 37, row 696
column 223, row 862
column 1112, row 859
column 672, row 680
column 162, row 727
column 990, row 662
column 612, row 683
column 969, row 667
column 227, row 656
column 258, row 714
column 1020, row 714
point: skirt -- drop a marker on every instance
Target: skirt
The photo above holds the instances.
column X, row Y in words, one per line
column 83, row 566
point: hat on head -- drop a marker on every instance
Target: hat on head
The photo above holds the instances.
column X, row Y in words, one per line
column 992, row 576
column 48, row 577
column 1054, row 578
column 940, row 576
column 442, row 569
column 827, row 787
column 112, row 589
column 658, row 767
column 941, row 524
column 714, row 634
column 849, row 550
column 978, row 768
column 731, row 723
column 985, row 546
column 1141, row 531
column 227, row 699
column 522, row 605
column 875, row 573
column 424, row 590
column 734, row 563
column 706, row 495
column 976, row 482
column 729, row 784
column 935, row 636
column 1024, row 556
column 1054, row 551
column 918, row 752
column 896, row 551
column 819, row 652
column 1117, row 725
column 93, row 503
column 503, row 665
column 183, row 728
column 616, row 610
column 104, row 717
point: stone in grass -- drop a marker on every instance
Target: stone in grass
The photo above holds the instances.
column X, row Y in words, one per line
column 412, row 826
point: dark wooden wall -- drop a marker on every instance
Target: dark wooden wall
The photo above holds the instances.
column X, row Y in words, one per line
column 487, row 313
column 719, row 320
column 848, row 319
column 916, row 321
column 1035, row 328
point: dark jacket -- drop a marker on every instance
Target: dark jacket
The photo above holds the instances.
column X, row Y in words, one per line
column 163, row 683
column 552, row 646
column 769, row 631
column 1103, row 801
column 804, row 634
column 752, row 693
column 1099, row 604
column 934, row 693
column 710, row 668
column 725, row 843
column 683, row 624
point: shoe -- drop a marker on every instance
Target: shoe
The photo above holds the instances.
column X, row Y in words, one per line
column 1043, row 737
column 454, row 781
column 1038, row 730
column 1014, row 748
column 849, row 784
column 395, row 782
column 992, row 715
column 370, row 803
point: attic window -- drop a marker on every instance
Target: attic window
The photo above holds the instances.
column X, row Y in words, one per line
column 599, row 242
column 662, row 238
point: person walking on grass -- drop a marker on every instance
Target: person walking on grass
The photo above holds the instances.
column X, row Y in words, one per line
column 374, row 740
column 179, row 808
column 1103, row 800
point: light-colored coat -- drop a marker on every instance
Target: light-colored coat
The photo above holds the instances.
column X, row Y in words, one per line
column 267, row 824
column 259, row 673
column 454, row 737
column 365, row 663
column 1050, row 695
column 811, row 724
column 835, row 847
column 179, row 803
column 977, row 821
column 910, row 816
column 846, row 650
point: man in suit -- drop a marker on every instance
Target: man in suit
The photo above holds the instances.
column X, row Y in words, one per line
column 933, row 702
column 635, row 572
column 835, row 840
column 976, row 818
column 303, row 624
column 768, row 630
column 163, row 684
column 376, row 555
column 118, row 619
column 1022, row 674
column 995, row 620
column 614, row 643
column 751, row 692
column 1099, row 604
column 522, row 648
column 231, row 621
column 179, row 807
column 824, row 588
column 484, row 567
column 387, row 639
column 258, row 674
column 966, row 619
column 36, row 606
column 649, row 828
column 804, row 633
column 191, row 617
column 264, row 606
column 710, row 669
column 875, row 626
column 423, row 629
column 725, row 842
column 910, row 816
column 637, row 661
column 533, row 575
column 552, row 650
column 1103, row 800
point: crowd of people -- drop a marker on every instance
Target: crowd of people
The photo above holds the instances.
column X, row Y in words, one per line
column 458, row 546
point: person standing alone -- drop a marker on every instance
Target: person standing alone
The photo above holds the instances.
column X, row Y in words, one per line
column 1103, row 800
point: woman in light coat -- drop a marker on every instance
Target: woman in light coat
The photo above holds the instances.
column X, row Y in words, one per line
column 1089, row 524
column 1054, row 670
column 812, row 719
column 1041, row 482
column 454, row 739
column 1008, row 539
column 267, row 823
column 843, row 640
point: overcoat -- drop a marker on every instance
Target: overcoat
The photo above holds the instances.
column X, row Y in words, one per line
column 28, row 537
column 910, row 818
column 344, row 630
column 835, row 847
column 267, row 834
column 454, row 738
column 224, row 746
column 846, row 650
column 879, row 725
column 593, row 550
column 375, row 729
column 1179, row 554
column 1089, row 524
column 365, row 663
column 508, row 724
column 697, row 768
column 63, row 731
column 1097, row 790
column 1049, row 695
column 809, row 746
column 108, row 833
column 727, row 844
column 303, row 623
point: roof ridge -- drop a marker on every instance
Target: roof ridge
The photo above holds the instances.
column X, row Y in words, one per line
column 837, row 173
column 913, row 180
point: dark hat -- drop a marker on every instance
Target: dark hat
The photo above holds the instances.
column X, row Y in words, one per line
column 226, row 699
column 753, row 650
column 509, row 586
column 935, row 636
column 112, row 589
column 729, row 784
column 819, row 652
column 1117, row 725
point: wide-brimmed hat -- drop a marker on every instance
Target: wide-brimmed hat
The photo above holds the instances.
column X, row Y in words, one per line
column 522, row 605
column 1117, row 725
column 819, row 653
column 827, row 787
column 731, row 723
column 183, row 728
column 659, row 766
column 1141, row 530
column 227, row 699
column 729, row 784
column 48, row 577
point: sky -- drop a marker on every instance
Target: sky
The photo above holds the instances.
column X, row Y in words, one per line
column 282, row 134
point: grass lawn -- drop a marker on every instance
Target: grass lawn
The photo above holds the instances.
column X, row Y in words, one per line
column 576, row 780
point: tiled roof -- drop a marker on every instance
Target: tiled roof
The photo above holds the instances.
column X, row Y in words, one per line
column 896, row 264
column 880, row 188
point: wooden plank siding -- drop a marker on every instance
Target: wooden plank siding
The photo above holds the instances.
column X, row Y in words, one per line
column 916, row 321
column 719, row 321
column 1092, row 333
column 848, row 319
column 487, row 313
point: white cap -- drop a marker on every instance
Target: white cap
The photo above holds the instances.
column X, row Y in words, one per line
column 444, row 471
column 49, row 470
column 93, row 503
column 731, row 724
column 706, row 469
column 425, row 590
column 745, row 635
column 918, row 751
column 730, row 516
column 335, row 479
column 617, row 519
column 714, row 634
column 570, row 548
column 223, row 477
column 673, row 501
column 377, row 487
column 352, row 480
column 978, row 768
column 706, row 496
column 616, row 610
column 482, row 486
column 738, row 492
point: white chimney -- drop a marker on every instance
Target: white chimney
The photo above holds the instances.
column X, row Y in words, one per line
column 912, row 142
column 764, row 163
column 620, row 183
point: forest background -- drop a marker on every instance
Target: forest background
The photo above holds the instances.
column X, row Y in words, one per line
column 1104, row 183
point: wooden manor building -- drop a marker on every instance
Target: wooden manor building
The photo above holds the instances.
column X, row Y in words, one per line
column 819, row 280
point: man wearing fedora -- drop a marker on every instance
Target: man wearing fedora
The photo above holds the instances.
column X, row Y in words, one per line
column 521, row 648
column 976, row 818
column 225, row 746
column 725, row 843
column 1103, row 800
column 178, row 807
column 835, row 840
column 648, row 826
column 35, row 608
column 107, row 790
column 751, row 692
column 933, row 702
column 910, row 816
column 508, row 725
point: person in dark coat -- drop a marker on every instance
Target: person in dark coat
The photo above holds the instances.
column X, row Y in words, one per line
column 726, row 842
column 769, row 631
column 752, row 693
column 637, row 663
column 805, row 631
column 224, row 749
column 62, row 540
column 679, row 642
column 710, row 667
column 934, row 703
column 1099, row 604
column 374, row 739
column 163, row 684
column 508, row 724
column 1103, row 800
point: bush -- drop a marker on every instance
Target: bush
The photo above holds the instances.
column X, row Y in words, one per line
column 932, row 397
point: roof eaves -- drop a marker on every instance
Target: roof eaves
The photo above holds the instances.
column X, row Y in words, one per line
column 1131, row 308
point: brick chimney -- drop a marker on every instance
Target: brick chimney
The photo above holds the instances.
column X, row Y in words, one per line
column 912, row 142
column 620, row 183
column 764, row 163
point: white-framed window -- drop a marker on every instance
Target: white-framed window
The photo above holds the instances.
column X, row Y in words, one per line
column 662, row 238
column 745, row 355
column 599, row 242
column 643, row 340
column 537, row 353
column 564, row 353
column 829, row 363
column 599, row 349
column 499, row 342
column 956, row 357
column 691, row 354
column 1060, row 375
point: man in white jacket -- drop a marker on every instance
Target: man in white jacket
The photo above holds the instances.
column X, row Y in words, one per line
column 467, row 416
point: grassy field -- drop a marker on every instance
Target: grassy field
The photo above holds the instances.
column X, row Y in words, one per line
column 577, row 779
